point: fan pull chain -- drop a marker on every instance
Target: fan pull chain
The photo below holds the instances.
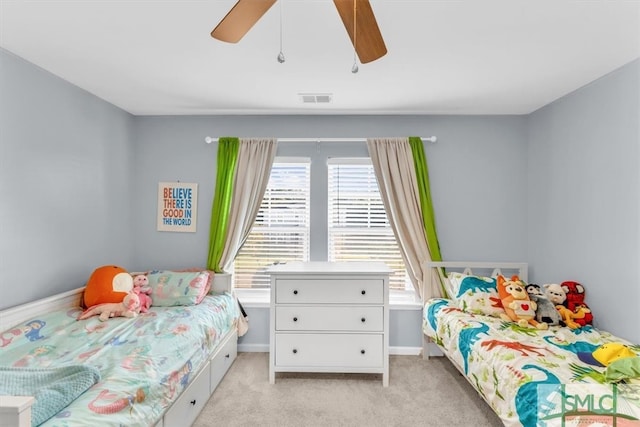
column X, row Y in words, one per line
column 354, row 68
column 281, row 55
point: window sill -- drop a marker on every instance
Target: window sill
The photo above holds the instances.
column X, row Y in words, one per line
column 253, row 298
column 404, row 300
column 259, row 298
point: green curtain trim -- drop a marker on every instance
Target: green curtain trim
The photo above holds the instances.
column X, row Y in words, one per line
column 228, row 148
column 428, row 217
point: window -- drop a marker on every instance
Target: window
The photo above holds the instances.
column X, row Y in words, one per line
column 281, row 230
column 358, row 226
column 321, row 203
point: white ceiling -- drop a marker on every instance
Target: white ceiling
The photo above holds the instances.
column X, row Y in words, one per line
column 444, row 57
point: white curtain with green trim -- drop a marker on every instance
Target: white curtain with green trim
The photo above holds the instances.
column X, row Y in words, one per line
column 395, row 169
column 253, row 167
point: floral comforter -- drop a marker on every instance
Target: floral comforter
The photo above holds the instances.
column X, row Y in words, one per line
column 532, row 377
column 144, row 362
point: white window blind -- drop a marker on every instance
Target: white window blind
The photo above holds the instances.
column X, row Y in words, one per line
column 281, row 230
column 358, row 227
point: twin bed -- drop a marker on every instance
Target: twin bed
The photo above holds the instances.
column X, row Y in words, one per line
column 157, row 369
column 160, row 368
column 529, row 377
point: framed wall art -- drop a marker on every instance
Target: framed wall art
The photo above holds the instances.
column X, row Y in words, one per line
column 177, row 206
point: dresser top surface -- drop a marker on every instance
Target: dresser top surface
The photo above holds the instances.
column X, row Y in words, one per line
column 330, row 268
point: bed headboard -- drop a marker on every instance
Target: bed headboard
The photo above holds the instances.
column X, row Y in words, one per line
column 222, row 282
column 480, row 268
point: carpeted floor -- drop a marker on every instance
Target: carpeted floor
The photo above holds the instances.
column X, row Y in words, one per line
column 420, row 393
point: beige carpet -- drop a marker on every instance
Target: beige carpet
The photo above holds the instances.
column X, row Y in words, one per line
column 420, row 393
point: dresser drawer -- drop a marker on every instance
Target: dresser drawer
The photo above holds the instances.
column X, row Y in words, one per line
column 329, row 350
column 221, row 362
column 336, row 318
column 329, row 291
column 184, row 411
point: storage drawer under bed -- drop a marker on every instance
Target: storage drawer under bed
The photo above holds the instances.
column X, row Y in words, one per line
column 222, row 360
column 186, row 408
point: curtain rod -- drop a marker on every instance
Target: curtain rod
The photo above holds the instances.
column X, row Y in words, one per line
column 431, row 139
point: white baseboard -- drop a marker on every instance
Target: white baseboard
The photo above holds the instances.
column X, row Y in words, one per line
column 253, row 348
column 405, row 351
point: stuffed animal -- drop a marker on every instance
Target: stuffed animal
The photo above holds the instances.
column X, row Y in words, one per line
column 143, row 290
column 129, row 307
column 107, row 284
column 555, row 293
column 575, row 301
column 557, row 296
column 517, row 305
column 545, row 312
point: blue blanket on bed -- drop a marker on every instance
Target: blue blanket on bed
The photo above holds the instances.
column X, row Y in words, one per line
column 53, row 388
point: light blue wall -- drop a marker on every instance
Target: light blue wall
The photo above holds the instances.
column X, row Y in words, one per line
column 65, row 172
column 558, row 188
column 583, row 196
column 477, row 170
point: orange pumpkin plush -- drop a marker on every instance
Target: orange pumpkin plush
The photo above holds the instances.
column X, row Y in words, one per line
column 107, row 284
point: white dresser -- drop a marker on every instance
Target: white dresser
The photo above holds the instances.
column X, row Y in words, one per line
column 329, row 317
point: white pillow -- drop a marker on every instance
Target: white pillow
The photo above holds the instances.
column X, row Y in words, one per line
column 475, row 294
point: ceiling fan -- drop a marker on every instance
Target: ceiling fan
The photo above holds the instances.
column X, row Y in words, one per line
column 367, row 39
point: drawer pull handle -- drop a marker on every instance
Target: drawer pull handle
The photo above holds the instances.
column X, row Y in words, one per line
column 193, row 402
column 363, row 320
column 295, row 319
column 227, row 356
column 295, row 351
column 295, row 292
column 363, row 292
column 362, row 351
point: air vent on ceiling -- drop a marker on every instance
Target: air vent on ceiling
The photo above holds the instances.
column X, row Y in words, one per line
column 315, row 98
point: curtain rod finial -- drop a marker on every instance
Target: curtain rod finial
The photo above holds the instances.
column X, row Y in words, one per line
column 208, row 140
column 432, row 139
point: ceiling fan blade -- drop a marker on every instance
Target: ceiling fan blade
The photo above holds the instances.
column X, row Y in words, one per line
column 369, row 43
column 239, row 20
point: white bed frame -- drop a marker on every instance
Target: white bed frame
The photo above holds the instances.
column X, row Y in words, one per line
column 439, row 267
column 15, row 411
column 511, row 268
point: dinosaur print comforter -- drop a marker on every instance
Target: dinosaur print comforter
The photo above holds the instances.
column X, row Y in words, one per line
column 144, row 362
column 530, row 377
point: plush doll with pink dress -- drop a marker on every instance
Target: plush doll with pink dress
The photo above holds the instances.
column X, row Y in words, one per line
column 143, row 290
